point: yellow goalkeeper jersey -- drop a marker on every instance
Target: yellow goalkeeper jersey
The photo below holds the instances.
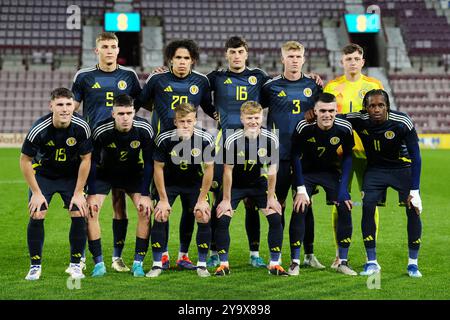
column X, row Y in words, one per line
column 349, row 96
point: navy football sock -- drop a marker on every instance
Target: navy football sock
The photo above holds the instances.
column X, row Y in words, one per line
column 158, row 239
column 308, row 241
column 141, row 249
column 77, row 238
column 35, row 237
column 275, row 237
column 203, row 240
column 296, row 233
column 120, row 227
column 223, row 237
column 253, row 227
column 95, row 248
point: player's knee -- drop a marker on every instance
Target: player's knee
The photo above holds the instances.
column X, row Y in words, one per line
column 201, row 217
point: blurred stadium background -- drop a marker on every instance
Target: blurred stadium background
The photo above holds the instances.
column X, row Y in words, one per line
column 410, row 53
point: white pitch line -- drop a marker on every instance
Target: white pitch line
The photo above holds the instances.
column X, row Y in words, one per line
column 12, row 181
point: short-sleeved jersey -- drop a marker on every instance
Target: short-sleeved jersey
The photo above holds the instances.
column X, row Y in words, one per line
column 165, row 91
column 97, row 89
column 56, row 151
column 122, row 153
column 251, row 157
column 349, row 94
column 287, row 101
column 231, row 90
column 385, row 144
column 184, row 158
column 318, row 148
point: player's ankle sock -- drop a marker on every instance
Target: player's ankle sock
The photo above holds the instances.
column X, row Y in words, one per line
column 273, row 263
column 297, row 261
column 413, row 253
column 203, row 240
column 213, row 253
column 77, row 238
column 35, row 237
column 343, row 253
column 201, row 264
column 254, row 253
column 157, row 263
column 141, row 249
column 371, row 254
column 412, row 261
column 295, row 253
column 95, row 248
column 120, row 227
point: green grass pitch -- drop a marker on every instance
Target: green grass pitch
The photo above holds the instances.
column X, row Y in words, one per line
column 244, row 282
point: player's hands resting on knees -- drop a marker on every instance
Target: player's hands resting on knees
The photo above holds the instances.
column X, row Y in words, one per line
column 93, row 206
column 316, row 77
column 224, row 208
column 415, row 201
column 301, row 200
column 145, row 207
column 203, row 207
column 273, row 205
column 310, row 116
column 79, row 200
column 162, row 211
column 34, row 206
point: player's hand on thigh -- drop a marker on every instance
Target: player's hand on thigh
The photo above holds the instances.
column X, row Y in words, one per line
column 79, row 200
column 224, row 208
column 274, row 205
column 160, row 69
column 301, row 202
column 35, row 204
column 145, row 207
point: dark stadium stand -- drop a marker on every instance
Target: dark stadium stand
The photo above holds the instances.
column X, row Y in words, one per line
column 424, row 32
column 37, row 29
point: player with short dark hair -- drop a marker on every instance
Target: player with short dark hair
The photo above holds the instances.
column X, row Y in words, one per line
column 56, row 157
column 316, row 163
column 231, row 87
column 162, row 93
column 123, row 148
column 251, row 156
column 287, row 97
column 184, row 166
column 393, row 160
column 97, row 87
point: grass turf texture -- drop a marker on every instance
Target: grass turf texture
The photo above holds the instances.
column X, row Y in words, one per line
column 245, row 282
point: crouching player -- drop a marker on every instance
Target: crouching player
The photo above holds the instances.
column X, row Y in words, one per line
column 118, row 144
column 184, row 166
column 317, row 145
column 250, row 171
column 58, row 147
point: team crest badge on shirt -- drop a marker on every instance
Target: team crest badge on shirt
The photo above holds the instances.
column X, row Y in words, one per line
column 195, row 152
column 71, row 141
column 362, row 93
column 262, row 152
column 389, row 135
column 252, row 80
column 122, row 85
column 307, row 92
column 334, row 140
column 135, row 144
column 193, row 89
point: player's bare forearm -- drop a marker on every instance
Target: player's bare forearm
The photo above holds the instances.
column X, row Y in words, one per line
column 206, row 181
column 158, row 177
column 227, row 181
column 26, row 166
column 83, row 172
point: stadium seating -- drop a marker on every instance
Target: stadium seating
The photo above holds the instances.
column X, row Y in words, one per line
column 426, row 98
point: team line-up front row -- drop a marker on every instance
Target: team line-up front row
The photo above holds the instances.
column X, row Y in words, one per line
column 61, row 155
